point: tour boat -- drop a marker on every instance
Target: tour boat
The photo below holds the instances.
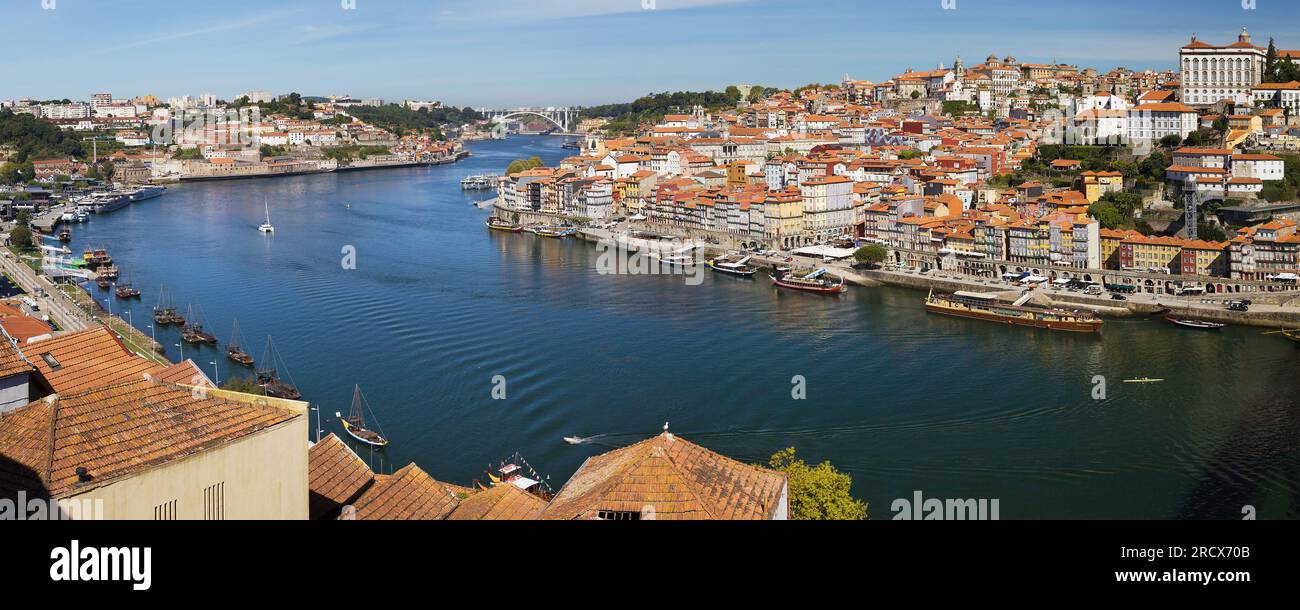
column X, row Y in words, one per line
column 982, row 306
column 519, row 473
column 109, row 272
column 500, row 224
column 481, row 182
column 233, row 349
column 1195, row 324
column 813, row 282
column 267, row 227
column 355, row 423
column 96, row 257
column 740, row 267
column 147, row 192
column 103, row 282
column 554, row 232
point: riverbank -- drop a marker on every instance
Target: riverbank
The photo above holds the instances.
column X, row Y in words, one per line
column 1264, row 315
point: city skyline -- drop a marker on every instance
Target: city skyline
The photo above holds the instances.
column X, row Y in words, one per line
column 572, row 52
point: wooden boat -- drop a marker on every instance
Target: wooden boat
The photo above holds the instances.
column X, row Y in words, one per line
column 554, row 232
column 1194, row 324
column 103, row 282
column 500, row 224
column 109, row 272
column 96, row 257
column 65, row 235
column 127, row 290
column 813, row 282
column 738, row 268
column 193, row 330
column 269, row 377
column 355, row 423
column 979, row 306
column 519, row 473
column 1292, row 335
column 233, row 349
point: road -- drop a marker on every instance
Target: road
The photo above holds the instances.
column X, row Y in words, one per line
column 49, row 300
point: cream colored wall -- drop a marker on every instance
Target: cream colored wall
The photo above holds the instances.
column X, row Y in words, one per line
column 265, row 476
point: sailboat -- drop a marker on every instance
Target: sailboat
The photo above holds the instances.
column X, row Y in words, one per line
column 127, row 290
column 161, row 315
column 355, row 423
column 193, row 331
column 1293, row 335
column 233, row 349
column 267, row 227
column 269, row 377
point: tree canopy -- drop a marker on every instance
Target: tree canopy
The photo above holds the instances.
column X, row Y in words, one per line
column 817, row 492
column 33, row 138
column 871, row 253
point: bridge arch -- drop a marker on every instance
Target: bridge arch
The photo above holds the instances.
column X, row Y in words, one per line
column 501, row 118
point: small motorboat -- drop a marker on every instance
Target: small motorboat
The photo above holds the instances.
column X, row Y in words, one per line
column 65, row 236
column 1194, row 324
column 1143, row 380
column 573, row 440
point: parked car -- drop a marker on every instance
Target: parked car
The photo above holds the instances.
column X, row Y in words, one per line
column 1118, row 297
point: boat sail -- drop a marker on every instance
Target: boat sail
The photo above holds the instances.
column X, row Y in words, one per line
column 267, row 227
column 269, row 377
column 193, row 330
column 234, row 351
column 355, row 423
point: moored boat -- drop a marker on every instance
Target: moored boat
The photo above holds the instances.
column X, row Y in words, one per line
column 812, row 282
column 193, row 331
column 739, row 268
column 1194, row 324
column 65, row 236
column 980, row 306
column 235, row 351
column 269, row 377
column 500, row 224
column 554, row 232
column 355, row 423
column 126, row 291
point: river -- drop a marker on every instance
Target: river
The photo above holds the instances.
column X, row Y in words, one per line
column 437, row 307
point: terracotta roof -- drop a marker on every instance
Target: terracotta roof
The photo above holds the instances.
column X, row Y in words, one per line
column 183, row 373
column 85, row 359
column 336, row 476
column 23, row 328
column 11, row 361
column 500, row 503
column 409, row 494
column 119, row 430
column 674, row 478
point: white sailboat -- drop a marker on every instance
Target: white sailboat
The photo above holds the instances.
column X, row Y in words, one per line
column 266, row 226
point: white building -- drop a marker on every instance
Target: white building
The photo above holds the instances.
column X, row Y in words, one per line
column 1155, row 121
column 1212, row 73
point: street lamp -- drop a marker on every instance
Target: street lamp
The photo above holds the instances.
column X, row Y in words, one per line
column 151, row 334
column 182, row 346
column 216, row 374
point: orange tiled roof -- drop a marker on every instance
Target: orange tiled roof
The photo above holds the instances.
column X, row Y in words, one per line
column 118, row 430
column 336, row 475
column 11, row 361
column 409, row 494
column 500, row 503
column 84, row 360
column 674, row 478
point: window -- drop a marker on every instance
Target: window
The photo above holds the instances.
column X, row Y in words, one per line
column 214, row 502
column 618, row 515
column 165, row 511
column 51, row 361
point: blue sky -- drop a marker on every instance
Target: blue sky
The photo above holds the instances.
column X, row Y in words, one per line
column 557, row 52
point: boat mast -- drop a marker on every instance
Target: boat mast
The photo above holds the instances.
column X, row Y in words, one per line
column 357, row 418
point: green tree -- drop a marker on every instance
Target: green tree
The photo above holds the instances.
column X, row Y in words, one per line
column 871, row 254
column 1106, row 215
column 1171, row 141
column 523, row 165
column 733, row 93
column 21, row 236
column 1270, row 62
column 246, row 385
column 16, row 172
column 817, row 492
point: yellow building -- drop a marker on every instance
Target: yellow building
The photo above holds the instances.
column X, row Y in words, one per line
column 1097, row 184
column 783, row 213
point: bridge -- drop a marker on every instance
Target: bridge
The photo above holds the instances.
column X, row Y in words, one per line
column 564, row 118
